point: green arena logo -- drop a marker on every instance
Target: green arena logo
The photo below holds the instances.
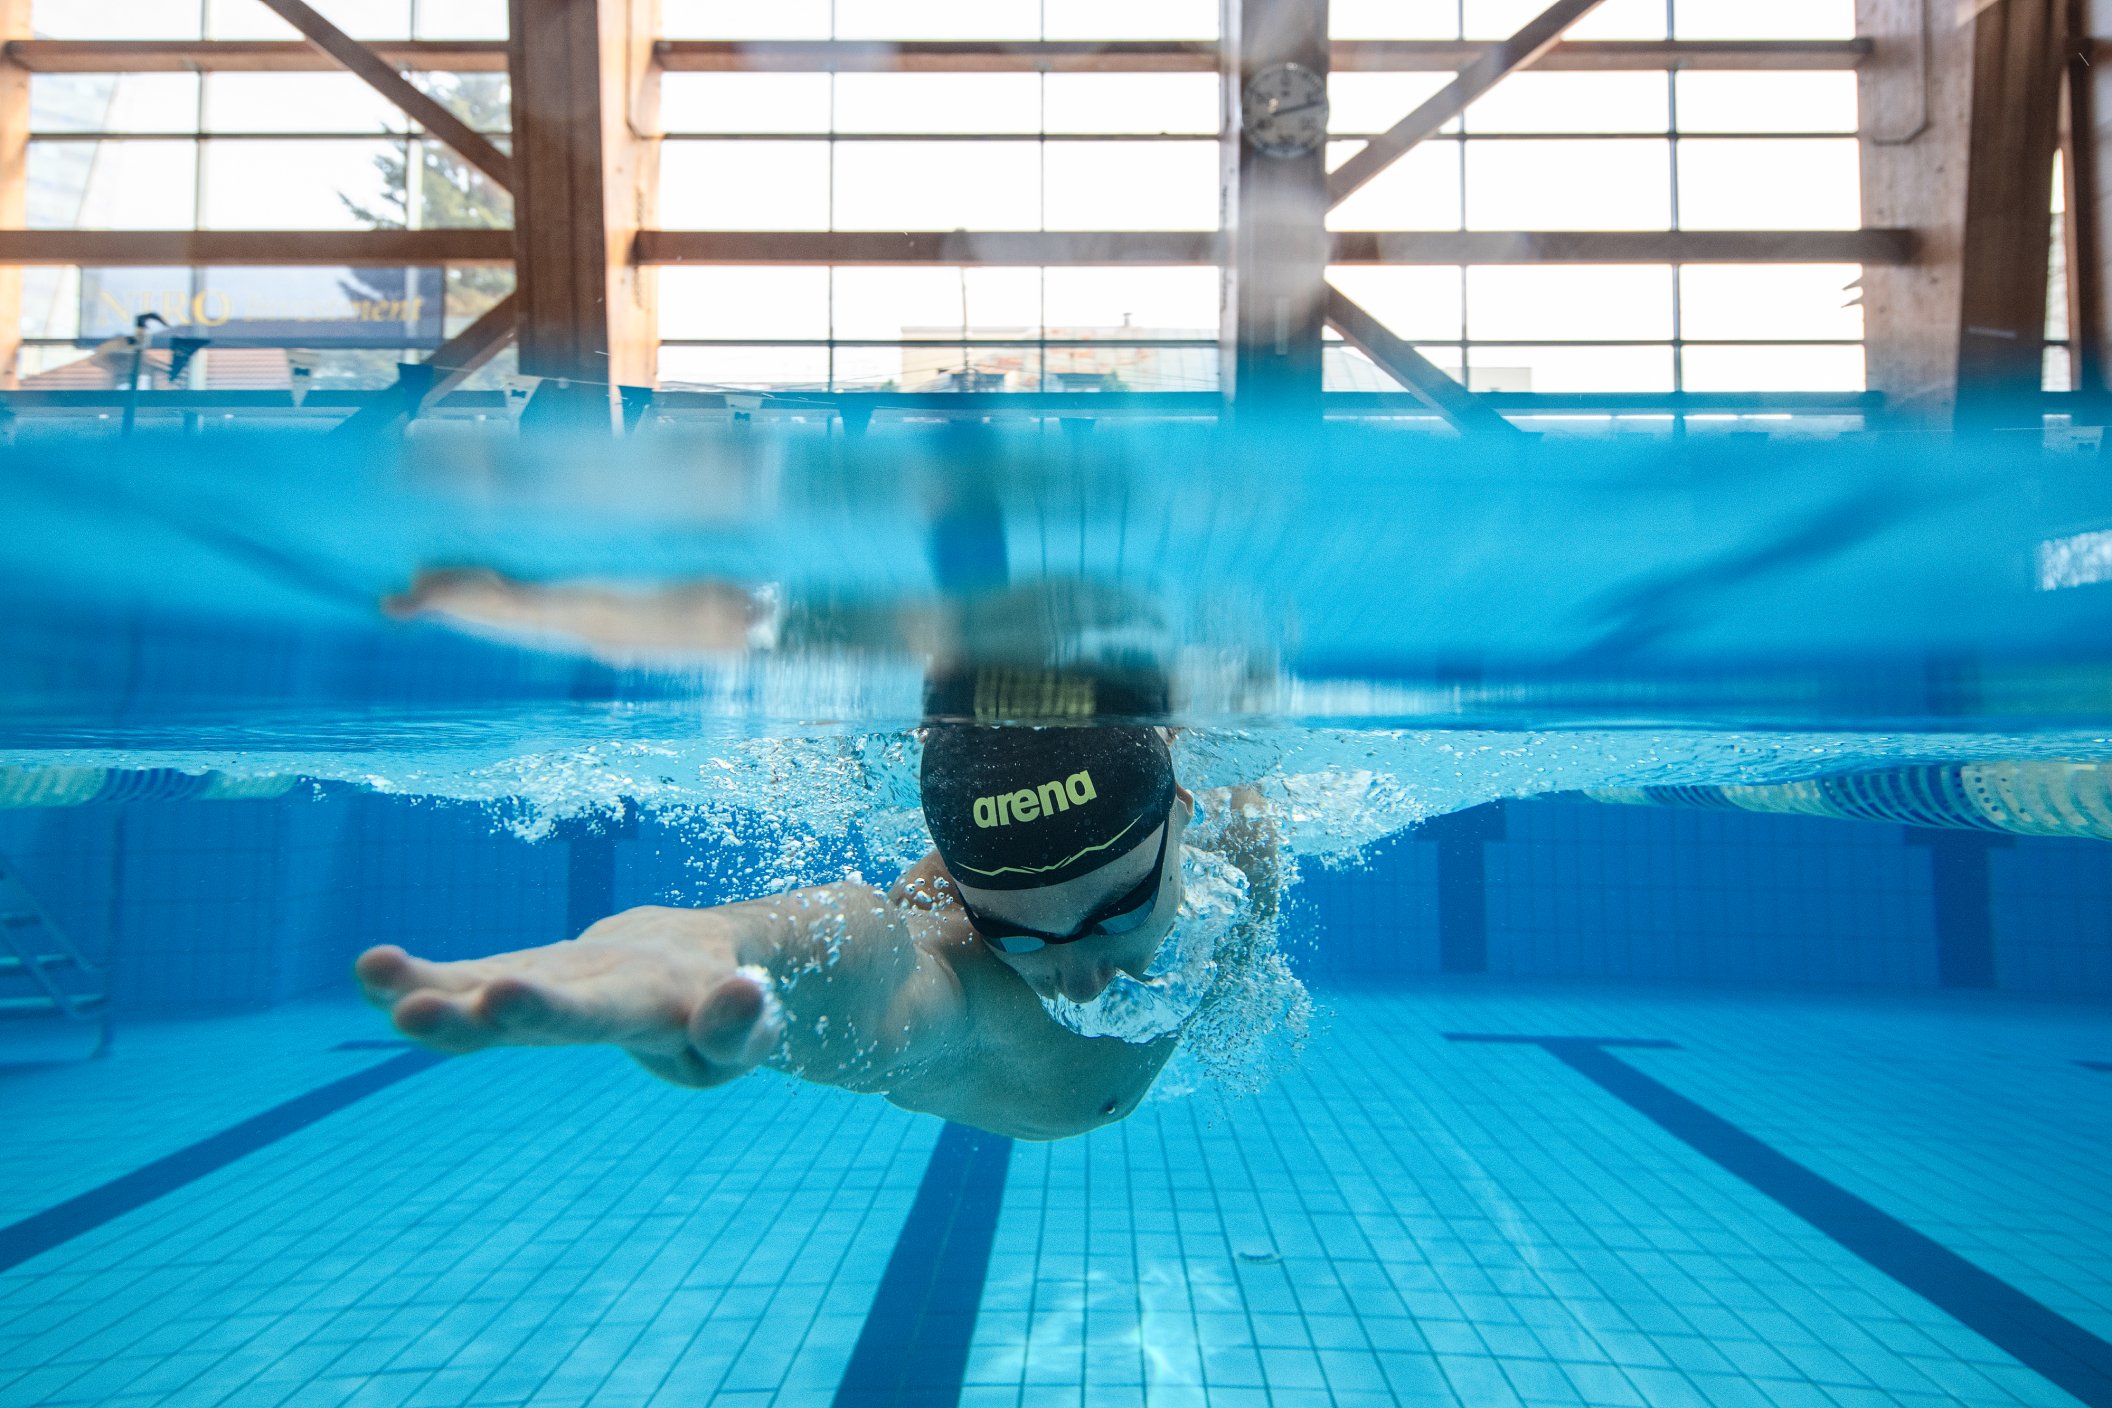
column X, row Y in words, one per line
column 1034, row 803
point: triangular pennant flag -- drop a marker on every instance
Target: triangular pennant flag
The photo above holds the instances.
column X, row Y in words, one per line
column 300, row 374
column 413, row 381
column 520, row 390
column 181, row 351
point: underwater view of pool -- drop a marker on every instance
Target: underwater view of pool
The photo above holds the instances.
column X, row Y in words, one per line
column 1634, row 914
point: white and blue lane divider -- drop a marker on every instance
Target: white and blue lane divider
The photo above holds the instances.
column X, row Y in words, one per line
column 22, row 788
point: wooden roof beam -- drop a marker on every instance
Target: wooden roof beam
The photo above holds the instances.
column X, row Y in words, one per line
column 2087, row 92
column 1519, row 51
column 14, row 181
column 585, row 91
column 1015, row 247
column 935, row 56
column 1461, row 408
column 244, row 56
column 357, row 248
column 2013, row 133
column 845, row 56
column 1201, row 56
column 1962, row 121
column 1870, row 246
column 348, row 248
column 1007, row 247
column 1592, row 55
column 473, row 146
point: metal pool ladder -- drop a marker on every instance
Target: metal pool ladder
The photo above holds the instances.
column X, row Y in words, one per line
column 42, row 974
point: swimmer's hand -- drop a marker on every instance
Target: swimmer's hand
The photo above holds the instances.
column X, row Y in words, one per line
column 662, row 984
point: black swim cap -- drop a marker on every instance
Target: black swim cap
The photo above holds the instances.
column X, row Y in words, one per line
column 1013, row 808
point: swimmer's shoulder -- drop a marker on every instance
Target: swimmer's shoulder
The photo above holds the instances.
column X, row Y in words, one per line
column 925, row 892
column 941, row 929
column 926, row 885
column 1017, row 1067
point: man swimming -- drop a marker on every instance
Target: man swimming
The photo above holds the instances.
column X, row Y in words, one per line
column 966, row 990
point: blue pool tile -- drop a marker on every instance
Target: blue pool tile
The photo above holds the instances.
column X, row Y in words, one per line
column 1557, row 1252
column 1300, row 1397
column 1292, row 1369
column 1346, row 1371
column 1232, row 1366
column 1234, row 1396
column 1478, row 1381
column 1539, row 1381
column 1416, row 1377
column 1666, row 1388
column 1070, row 1395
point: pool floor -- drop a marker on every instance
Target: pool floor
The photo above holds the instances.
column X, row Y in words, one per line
column 1773, row 1199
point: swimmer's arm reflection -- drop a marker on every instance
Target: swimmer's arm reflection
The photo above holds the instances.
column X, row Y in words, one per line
column 618, row 623
column 708, row 616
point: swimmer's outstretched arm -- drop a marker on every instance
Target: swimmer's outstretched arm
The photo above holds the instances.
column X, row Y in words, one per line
column 837, row 989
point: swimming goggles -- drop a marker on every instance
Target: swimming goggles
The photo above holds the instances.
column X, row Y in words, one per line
column 1120, row 915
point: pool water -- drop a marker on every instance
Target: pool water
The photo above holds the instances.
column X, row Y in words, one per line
column 1403, row 1218
column 1634, row 1074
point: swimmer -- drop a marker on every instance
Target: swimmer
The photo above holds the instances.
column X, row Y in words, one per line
column 1056, row 875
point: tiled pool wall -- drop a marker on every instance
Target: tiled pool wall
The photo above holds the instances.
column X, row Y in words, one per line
column 229, row 906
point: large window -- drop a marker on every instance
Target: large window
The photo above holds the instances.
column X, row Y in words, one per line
column 855, row 151
column 1637, row 151
column 241, row 150
column 247, row 19
column 940, row 19
column 941, row 151
column 941, row 328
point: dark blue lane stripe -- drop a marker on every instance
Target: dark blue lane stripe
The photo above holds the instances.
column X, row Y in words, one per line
column 2095, row 1065
column 913, row 1349
column 40, row 1232
column 2036, row 1336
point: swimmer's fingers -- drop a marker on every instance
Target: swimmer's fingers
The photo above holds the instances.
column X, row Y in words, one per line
column 387, row 974
column 511, row 1010
column 615, row 1009
column 581, row 994
column 439, row 1021
column 731, row 1032
column 738, row 1024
